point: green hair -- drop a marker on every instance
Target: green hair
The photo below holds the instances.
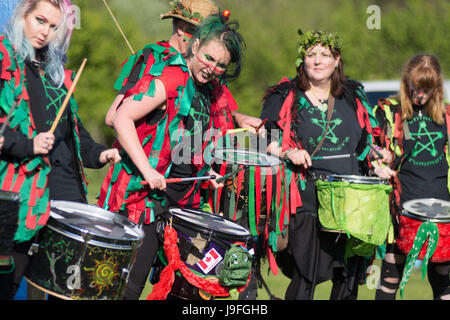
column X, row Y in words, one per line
column 215, row 27
column 311, row 38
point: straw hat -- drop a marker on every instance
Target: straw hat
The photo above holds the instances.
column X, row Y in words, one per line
column 192, row 11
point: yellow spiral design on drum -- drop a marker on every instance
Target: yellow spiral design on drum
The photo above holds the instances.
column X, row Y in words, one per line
column 103, row 274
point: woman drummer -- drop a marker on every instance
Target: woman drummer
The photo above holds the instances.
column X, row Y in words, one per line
column 298, row 108
column 420, row 149
column 164, row 125
column 38, row 164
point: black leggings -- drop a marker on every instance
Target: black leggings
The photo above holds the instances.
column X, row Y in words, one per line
column 142, row 266
column 392, row 271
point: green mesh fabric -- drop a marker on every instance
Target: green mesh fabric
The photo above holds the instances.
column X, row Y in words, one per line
column 361, row 210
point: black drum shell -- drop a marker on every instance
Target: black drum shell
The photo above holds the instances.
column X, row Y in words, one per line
column 73, row 263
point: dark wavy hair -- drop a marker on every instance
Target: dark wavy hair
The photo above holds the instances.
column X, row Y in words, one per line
column 215, row 27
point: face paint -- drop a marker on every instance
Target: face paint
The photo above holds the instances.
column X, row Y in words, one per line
column 218, row 69
column 420, row 96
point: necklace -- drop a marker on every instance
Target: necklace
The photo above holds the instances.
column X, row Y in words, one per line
column 323, row 104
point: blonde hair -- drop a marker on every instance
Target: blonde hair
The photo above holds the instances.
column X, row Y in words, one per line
column 57, row 48
column 424, row 72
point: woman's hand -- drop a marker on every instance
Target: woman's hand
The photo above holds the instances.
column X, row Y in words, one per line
column 383, row 171
column 43, row 143
column 299, row 157
column 387, row 157
column 213, row 184
column 156, row 180
column 110, row 155
column 2, row 140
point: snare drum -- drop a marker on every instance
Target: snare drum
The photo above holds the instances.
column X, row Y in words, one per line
column 357, row 205
column 84, row 252
column 9, row 219
column 203, row 240
column 414, row 213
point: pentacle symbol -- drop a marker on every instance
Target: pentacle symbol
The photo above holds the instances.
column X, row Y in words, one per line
column 103, row 274
column 427, row 142
column 331, row 136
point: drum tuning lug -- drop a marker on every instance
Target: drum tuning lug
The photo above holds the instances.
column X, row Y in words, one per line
column 86, row 235
column 125, row 274
column 33, row 249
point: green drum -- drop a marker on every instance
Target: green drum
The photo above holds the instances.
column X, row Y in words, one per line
column 356, row 205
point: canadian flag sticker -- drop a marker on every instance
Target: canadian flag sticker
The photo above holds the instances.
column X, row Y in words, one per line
column 211, row 259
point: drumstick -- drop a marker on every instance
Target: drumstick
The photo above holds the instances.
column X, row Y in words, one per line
column 375, row 150
column 118, row 26
column 230, row 174
column 260, row 126
column 175, row 180
column 69, row 94
column 338, row 156
column 8, row 116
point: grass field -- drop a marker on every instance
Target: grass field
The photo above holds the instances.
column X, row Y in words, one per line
column 416, row 288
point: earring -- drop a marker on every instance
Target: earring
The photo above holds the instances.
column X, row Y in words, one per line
column 336, row 66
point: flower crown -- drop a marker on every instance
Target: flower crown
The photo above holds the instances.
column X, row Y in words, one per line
column 311, row 38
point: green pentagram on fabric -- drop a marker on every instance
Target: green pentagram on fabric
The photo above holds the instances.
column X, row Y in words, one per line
column 432, row 138
column 331, row 136
column 55, row 95
column 199, row 115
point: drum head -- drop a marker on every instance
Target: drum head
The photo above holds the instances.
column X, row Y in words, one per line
column 94, row 220
column 208, row 222
column 428, row 209
column 355, row 179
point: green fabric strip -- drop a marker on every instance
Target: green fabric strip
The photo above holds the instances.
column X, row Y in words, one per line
column 427, row 231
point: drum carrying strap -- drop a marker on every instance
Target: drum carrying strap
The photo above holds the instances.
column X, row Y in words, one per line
column 427, row 230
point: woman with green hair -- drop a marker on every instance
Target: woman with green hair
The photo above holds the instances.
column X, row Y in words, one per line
column 299, row 109
column 171, row 106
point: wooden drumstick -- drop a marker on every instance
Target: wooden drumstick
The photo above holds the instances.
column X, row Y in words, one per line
column 69, row 94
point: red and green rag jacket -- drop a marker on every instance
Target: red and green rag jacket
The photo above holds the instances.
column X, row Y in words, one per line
column 121, row 188
column 28, row 176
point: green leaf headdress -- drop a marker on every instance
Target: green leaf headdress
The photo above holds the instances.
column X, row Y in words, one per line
column 311, row 38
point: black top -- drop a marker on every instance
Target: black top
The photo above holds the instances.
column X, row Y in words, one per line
column 344, row 137
column 423, row 173
column 196, row 125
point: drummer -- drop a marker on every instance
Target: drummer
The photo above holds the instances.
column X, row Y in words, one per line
column 34, row 162
column 420, row 163
column 182, row 98
column 299, row 107
column 186, row 15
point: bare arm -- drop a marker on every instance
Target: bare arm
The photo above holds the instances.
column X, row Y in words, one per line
column 124, row 124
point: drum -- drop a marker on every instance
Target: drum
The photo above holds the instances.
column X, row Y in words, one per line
column 357, row 205
column 250, row 191
column 9, row 219
column 414, row 213
column 203, row 240
column 84, row 252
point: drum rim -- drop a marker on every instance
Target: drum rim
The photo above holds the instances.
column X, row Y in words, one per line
column 250, row 152
column 206, row 231
column 415, row 216
column 76, row 232
column 354, row 179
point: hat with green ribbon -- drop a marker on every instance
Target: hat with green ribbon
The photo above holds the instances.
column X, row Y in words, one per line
column 310, row 39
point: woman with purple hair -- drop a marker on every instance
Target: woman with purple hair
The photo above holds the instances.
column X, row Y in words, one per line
column 40, row 165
